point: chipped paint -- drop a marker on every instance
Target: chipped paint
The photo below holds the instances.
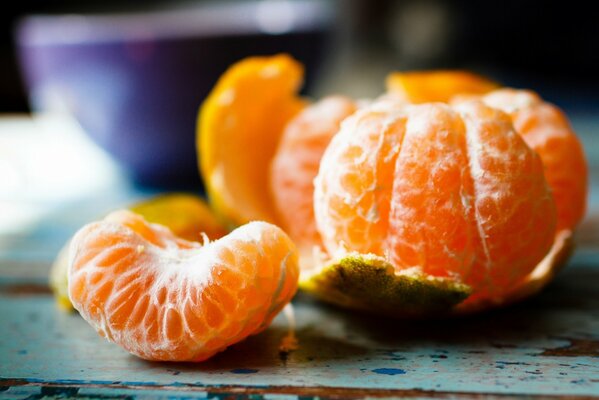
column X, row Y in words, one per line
column 244, row 371
column 389, row 371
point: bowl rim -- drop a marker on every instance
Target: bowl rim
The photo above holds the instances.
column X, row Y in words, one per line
column 271, row 17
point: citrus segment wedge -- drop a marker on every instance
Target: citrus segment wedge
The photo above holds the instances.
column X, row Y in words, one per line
column 546, row 129
column 164, row 298
column 186, row 215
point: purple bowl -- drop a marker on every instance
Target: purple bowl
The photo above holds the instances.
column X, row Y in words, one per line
column 135, row 81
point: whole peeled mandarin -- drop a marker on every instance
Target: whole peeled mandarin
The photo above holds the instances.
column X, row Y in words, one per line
column 449, row 191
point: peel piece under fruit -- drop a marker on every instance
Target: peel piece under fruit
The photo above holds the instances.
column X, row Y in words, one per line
column 430, row 86
column 59, row 278
column 186, row 215
column 239, row 127
column 368, row 282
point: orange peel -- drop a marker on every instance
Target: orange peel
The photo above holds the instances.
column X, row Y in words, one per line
column 440, row 85
column 239, row 127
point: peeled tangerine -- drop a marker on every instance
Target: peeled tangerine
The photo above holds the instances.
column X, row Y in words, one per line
column 430, row 195
column 493, row 240
column 161, row 297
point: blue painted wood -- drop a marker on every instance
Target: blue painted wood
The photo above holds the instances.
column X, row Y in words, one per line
column 548, row 345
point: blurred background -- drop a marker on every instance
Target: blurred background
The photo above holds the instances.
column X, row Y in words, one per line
column 98, row 99
column 549, row 46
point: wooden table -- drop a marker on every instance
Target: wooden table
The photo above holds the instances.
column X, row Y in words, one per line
column 546, row 347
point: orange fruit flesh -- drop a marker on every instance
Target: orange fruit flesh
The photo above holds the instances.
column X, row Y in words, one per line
column 187, row 216
column 295, row 165
column 546, row 130
column 239, row 127
column 431, row 86
column 451, row 192
column 164, row 298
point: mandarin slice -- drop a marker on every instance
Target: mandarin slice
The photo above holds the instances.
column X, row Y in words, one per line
column 161, row 297
column 239, row 127
column 187, row 216
column 295, row 165
column 441, row 85
column 447, row 192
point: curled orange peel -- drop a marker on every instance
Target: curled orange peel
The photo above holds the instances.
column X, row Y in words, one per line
column 239, row 127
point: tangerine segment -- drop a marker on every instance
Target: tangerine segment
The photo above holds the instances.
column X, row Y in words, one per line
column 296, row 163
column 369, row 282
column 352, row 191
column 239, row 127
column 546, row 130
column 187, row 216
column 164, row 298
column 452, row 192
column 430, row 86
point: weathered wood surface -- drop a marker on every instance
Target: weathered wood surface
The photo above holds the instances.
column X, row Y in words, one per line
column 546, row 346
